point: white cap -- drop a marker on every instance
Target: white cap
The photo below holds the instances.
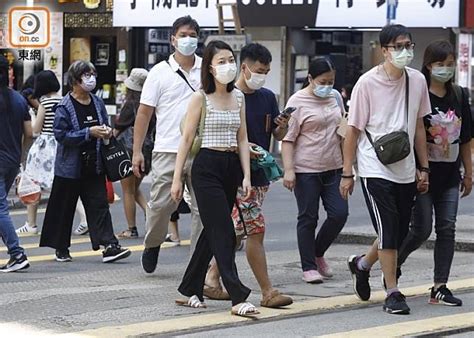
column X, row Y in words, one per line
column 136, row 79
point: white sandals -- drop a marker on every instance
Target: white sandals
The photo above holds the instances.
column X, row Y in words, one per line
column 245, row 310
column 193, row 302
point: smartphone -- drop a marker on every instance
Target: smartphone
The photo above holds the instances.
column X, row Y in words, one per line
column 287, row 112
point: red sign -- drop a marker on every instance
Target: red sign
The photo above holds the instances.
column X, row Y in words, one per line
column 469, row 11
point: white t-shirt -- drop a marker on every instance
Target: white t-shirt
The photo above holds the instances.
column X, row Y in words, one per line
column 378, row 105
column 169, row 93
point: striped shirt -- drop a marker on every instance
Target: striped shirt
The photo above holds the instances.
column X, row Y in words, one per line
column 49, row 103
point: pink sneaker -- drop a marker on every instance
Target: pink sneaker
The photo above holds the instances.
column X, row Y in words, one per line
column 312, row 276
column 323, row 268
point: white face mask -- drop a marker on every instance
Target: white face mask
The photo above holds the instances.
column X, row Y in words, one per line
column 187, row 45
column 88, row 83
column 256, row 80
column 402, row 58
column 225, row 73
column 442, row 74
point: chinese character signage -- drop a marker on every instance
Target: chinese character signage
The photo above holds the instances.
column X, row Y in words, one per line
column 293, row 13
column 373, row 13
column 162, row 13
column 463, row 77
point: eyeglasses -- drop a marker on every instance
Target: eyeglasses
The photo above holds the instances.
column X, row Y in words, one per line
column 88, row 75
column 402, row 46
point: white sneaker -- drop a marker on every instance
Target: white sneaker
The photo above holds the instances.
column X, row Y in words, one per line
column 26, row 229
column 81, row 229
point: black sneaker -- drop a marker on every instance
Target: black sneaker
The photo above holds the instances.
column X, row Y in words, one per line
column 63, row 256
column 396, row 304
column 150, row 259
column 444, row 296
column 399, row 274
column 360, row 278
column 16, row 264
column 114, row 252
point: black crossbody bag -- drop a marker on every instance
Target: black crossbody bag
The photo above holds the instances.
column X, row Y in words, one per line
column 395, row 146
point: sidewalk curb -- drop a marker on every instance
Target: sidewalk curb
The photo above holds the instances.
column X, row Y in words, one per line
column 367, row 239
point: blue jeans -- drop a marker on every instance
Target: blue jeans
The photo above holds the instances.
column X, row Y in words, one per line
column 309, row 189
column 445, row 204
column 7, row 230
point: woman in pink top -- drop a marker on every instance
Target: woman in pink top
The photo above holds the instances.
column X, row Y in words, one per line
column 312, row 158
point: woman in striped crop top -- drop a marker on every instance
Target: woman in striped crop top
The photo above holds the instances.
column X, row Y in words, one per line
column 221, row 165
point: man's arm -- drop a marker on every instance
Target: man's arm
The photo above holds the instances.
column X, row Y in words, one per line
column 349, row 152
column 140, row 129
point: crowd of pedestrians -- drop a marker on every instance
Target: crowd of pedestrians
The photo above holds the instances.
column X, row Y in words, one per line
column 203, row 127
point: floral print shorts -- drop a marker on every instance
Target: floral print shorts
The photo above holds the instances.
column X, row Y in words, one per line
column 250, row 212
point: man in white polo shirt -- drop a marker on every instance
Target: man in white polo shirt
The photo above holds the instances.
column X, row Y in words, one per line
column 166, row 92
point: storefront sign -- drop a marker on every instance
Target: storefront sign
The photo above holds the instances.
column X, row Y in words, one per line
column 373, row 13
column 463, row 76
column 292, row 13
column 162, row 13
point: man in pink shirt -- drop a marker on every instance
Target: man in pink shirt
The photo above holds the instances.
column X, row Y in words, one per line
column 388, row 98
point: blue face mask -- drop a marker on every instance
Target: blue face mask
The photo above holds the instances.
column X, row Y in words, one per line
column 322, row 91
column 187, row 45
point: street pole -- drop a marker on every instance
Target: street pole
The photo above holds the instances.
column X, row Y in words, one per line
column 391, row 10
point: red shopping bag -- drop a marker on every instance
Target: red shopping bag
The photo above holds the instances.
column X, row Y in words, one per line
column 110, row 191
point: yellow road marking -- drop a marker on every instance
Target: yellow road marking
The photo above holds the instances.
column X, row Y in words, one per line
column 36, row 245
column 412, row 327
column 224, row 318
column 90, row 253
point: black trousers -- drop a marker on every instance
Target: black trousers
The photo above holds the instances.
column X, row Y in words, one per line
column 390, row 207
column 215, row 177
column 57, row 225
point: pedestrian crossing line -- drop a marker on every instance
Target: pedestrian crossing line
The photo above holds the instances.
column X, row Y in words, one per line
column 90, row 253
column 412, row 327
column 203, row 321
column 36, row 245
column 24, row 212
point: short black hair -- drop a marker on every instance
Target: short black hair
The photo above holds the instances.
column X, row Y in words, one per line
column 207, row 79
column 390, row 33
column 255, row 52
column 77, row 69
column 45, row 83
column 184, row 21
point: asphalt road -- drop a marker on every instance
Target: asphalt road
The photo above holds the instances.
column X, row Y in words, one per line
column 89, row 295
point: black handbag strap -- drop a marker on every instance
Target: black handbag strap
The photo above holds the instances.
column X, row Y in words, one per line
column 181, row 74
column 407, row 89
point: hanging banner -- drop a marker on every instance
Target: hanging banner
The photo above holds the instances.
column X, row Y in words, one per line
column 53, row 55
column 463, row 70
column 290, row 13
